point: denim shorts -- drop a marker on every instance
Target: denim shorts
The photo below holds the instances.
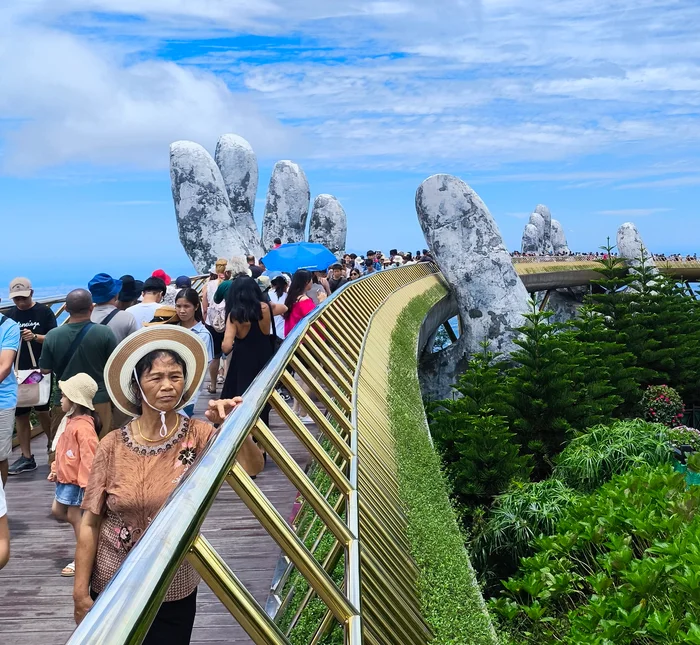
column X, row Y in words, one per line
column 69, row 494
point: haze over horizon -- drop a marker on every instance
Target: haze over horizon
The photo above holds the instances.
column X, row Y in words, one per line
column 588, row 107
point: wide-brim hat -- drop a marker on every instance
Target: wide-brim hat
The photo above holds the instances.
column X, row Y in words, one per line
column 120, row 366
column 80, row 389
column 164, row 315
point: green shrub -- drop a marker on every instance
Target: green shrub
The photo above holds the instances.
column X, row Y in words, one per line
column 451, row 601
column 593, row 457
column 623, row 567
column 477, row 447
column 516, row 519
column 685, row 436
column 662, row 405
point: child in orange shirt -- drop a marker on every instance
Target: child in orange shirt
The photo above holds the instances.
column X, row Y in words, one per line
column 75, row 444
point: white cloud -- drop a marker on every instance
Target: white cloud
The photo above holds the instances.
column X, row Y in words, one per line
column 462, row 84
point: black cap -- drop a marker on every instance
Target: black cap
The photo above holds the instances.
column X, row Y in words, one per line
column 154, row 284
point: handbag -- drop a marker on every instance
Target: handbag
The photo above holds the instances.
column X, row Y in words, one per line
column 33, row 387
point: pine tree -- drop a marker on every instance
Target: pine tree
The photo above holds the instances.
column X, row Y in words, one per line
column 611, row 381
column 480, row 454
column 543, row 389
column 657, row 322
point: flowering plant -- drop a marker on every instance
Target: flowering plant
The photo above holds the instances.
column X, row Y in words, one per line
column 685, row 436
column 662, row 404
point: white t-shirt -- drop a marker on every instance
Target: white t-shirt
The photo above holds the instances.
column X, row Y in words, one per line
column 279, row 320
column 3, row 504
column 143, row 312
column 204, row 334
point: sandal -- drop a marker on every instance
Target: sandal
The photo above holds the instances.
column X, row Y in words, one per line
column 210, row 390
column 69, row 570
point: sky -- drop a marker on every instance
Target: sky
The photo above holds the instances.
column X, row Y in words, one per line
column 587, row 106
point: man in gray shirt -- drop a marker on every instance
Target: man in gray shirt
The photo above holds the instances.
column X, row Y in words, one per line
column 105, row 289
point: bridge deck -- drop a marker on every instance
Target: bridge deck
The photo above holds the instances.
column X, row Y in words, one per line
column 36, row 606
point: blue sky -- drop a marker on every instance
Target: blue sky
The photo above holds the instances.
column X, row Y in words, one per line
column 588, row 106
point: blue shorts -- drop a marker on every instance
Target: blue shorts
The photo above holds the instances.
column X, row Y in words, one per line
column 69, row 494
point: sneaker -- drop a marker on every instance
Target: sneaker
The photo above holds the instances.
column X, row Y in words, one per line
column 307, row 420
column 22, row 465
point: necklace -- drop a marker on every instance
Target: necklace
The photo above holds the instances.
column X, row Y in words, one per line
column 167, row 436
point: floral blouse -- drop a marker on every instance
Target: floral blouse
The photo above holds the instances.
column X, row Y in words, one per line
column 128, row 485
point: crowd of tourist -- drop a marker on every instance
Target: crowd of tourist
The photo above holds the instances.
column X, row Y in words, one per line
column 591, row 256
column 114, row 389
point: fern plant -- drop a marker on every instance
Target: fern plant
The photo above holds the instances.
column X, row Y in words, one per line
column 594, row 457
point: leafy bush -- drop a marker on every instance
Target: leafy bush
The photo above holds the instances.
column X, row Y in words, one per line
column 593, row 457
column 516, row 519
column 662, row 405
column 684, row 436
column 623, row 568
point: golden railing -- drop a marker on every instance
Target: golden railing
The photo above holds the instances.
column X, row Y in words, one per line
column 366, row 580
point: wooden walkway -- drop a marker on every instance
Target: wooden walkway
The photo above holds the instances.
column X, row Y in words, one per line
column 36, row 605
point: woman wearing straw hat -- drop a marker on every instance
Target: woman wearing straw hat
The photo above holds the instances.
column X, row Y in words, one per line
column 151, row 375
column 75, row 444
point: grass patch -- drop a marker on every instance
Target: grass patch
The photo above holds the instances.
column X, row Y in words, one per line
column 450, row 596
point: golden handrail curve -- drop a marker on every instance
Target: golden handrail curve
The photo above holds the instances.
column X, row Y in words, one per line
column 367, row 525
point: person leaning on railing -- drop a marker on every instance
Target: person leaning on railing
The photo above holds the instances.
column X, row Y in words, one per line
column 151, row 375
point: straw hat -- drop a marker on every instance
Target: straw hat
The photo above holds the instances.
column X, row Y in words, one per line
column 165, row 314
column 80, row 389
column 120, row 366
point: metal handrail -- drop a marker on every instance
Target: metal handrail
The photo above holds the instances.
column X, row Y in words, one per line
column 125, row 609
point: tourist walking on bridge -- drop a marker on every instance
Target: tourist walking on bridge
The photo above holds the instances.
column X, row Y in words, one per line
column 153, row 293
column 80, row 346
column 189, row 314
column 75, row 445
column 249, row 337
column 105, row 290
column 9, row 346
column 35, row 321
column 130, row 293
column 215, row 321
column 150, row 376
column 298, row 305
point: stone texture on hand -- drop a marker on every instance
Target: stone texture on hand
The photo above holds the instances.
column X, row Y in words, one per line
column 329, row 224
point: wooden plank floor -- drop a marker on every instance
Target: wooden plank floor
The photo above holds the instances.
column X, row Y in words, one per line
column 36, row 606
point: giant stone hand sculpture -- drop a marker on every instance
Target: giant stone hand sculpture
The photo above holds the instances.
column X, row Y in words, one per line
column 215, row 199
column 329, row 224
column 204, row 219
column 631, row 246
column 531, row 243
column 467, row 246
column 239, row 168
column 287, row 205
column 546, row 215
column 559, row 243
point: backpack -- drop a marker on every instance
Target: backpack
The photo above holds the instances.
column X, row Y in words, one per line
column 218, row 322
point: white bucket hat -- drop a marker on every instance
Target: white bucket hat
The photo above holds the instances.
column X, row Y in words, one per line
column 121, row 364
column 80, row 389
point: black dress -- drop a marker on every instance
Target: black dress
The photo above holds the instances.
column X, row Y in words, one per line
column 248, row 358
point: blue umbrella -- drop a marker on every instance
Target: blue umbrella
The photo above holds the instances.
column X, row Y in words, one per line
column 302, row 255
